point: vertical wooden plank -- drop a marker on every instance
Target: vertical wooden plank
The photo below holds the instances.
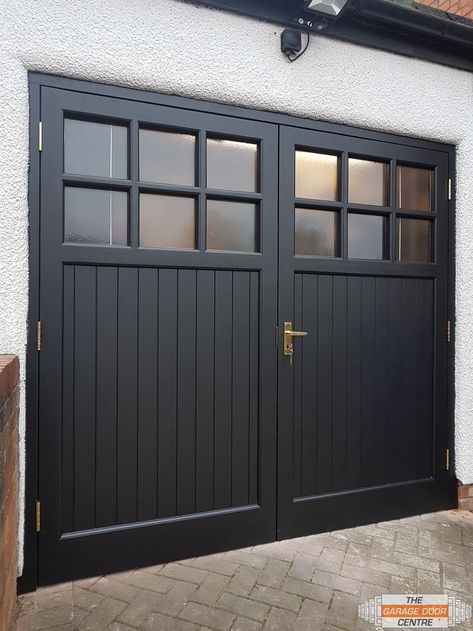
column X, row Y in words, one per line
column 424, row 332
column 407, row 467
column 223, row 389
column 297, row 384
column 395, row 453
column 147, row 394
column 353, row 380
column 186, row 349
column 84, row 397
column 253, row 384
column 368, row 370
column 167, row 393
column 308, row 353
column 324, row 330
column 339, row 401
column 381, row 398
column 127, row 384
column 240, row 388
column 68, row 380
column 205, row 378
column 107, row 321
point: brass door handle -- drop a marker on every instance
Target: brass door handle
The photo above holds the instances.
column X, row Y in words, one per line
column 288, row 348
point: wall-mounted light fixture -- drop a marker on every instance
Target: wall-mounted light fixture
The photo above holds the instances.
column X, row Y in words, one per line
column 314, row 17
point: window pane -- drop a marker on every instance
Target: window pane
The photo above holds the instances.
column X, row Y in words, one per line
column 232, row 165
column 414, row 188
column 167, row 221
column 95, row 149
column 167, row 157
column 367, row 182
column 366, row 236
column 95, row 216
column 315, row 232
column 414, row 240
column 231, row 226
column 316, row 175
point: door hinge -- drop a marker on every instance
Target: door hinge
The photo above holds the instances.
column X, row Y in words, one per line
column 40, row 136
column 449, row 188
column 447, row 459
column 38, row 515
column 39, row 335
column 449, row 331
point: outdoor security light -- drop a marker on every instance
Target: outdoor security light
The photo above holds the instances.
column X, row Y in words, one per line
column 328, row 7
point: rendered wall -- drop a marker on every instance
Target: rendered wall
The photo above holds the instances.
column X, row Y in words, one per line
column 175, row 47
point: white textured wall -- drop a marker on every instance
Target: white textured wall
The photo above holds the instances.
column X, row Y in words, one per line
column 170, row 46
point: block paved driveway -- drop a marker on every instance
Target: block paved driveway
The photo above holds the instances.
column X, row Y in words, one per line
column 309, row 583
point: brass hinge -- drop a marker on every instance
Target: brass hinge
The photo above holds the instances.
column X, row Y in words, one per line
column 449, row 331
column 447, row 459
column 40, row 136
column 39, row 335
column 38, row 515
column 449, row 188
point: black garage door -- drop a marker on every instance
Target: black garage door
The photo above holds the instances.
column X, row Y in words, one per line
column 164, row 431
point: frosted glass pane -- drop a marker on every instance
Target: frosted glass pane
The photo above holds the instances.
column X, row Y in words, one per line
column 167, row 157
column 95, row 216
column 231, row 226
column 95, row 149
column 414, row 240
column 316, row 175
column 366, row 237
column 232, row 165
column 167, row 221
column 414, row 188
column 367, row 182
column 315, row 232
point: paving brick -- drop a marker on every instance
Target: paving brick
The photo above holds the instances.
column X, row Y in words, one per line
column 416, row 562
column 45, row 619
column 115, row 589
column 303, row 566
column 344, row 584
column 357, row 554
column 216, row 564
column 274, row 573
column 243, row 606
column 279, row 619
column 389, row 567
column 183, row 573
column 152, row 582
column 118, row 626
column 243, row 624
column 210, row 589
column 243, row 581
column 147, row 603
column 428, row 582
column 311, row 617
column 275, row 551
column 207, row 616
column 365, row 574
column 402, row 585
column 86, row 598
column 331, row 560
column 455, row 578
column 157, row 621
column 247, row 558
column 369, row 591
column 382, row 548
column 307, row 590
column 343, row 610
column 101, row 615
column 276, row 598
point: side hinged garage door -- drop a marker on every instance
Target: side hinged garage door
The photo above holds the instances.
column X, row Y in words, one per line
column 158, row 307
column 180, row 253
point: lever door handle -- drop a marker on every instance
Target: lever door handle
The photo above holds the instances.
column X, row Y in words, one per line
column 288, row 348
